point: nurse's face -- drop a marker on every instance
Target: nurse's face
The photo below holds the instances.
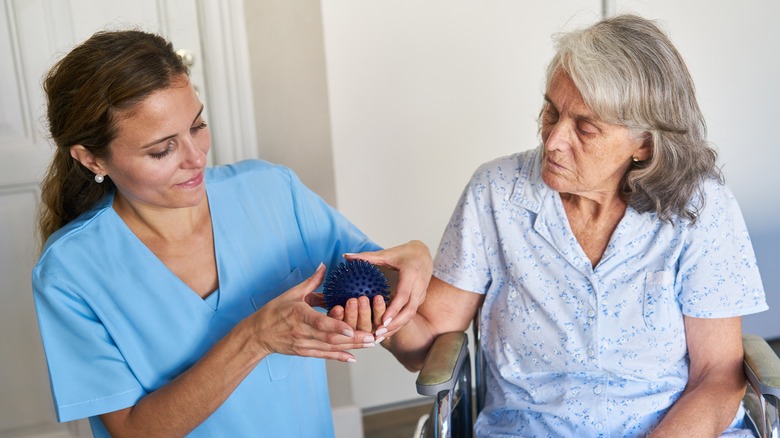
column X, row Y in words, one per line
column 159, row 155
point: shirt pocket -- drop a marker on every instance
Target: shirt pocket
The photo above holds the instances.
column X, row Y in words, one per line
column 659, row 308
column 279, row 365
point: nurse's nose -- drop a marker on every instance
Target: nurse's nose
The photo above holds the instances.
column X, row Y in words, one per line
column 194, row 153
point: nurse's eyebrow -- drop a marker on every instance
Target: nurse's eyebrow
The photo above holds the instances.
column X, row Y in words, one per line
column 148, row 145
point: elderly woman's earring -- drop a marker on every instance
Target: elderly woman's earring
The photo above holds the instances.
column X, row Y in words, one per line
column 99, row 178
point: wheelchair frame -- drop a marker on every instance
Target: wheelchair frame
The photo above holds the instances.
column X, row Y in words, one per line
column 446, row 375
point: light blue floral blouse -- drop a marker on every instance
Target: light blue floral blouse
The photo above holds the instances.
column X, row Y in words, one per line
column 579, row 351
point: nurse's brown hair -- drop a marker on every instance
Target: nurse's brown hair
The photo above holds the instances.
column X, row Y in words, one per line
column 110, row 72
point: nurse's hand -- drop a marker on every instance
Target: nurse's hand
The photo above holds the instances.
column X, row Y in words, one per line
column 288, row 324
column 414, row 266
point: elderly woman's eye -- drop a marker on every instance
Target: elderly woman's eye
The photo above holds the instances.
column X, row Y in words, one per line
column 587, row 128
column 549, row 116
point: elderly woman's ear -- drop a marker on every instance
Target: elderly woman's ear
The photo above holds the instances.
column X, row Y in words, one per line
column 645, row 152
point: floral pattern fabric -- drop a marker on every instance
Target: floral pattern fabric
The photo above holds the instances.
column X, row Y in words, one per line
column 574, row 350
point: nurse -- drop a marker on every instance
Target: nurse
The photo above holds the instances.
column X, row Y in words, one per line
column 178, row 299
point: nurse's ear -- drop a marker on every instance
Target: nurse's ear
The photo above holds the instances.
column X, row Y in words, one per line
column 87, row 159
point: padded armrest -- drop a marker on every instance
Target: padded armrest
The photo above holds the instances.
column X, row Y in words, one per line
column 762, row 366
column 443, row 363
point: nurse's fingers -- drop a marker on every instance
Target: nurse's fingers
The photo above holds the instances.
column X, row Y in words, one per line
column 323, row 350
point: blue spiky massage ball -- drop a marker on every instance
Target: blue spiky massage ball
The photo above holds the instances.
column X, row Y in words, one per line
column 353, row 279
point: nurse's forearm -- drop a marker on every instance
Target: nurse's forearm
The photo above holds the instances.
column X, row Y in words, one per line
column 180, row 406
column 287, row 324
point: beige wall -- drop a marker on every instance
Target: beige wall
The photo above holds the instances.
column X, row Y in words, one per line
column 291, row 103
column 420, row 94
column 287, row 63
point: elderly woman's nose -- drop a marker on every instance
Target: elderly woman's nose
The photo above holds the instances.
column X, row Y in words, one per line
column 559, row 136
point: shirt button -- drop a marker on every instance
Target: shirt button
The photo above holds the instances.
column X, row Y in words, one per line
column 597, row 390
column 591, row 313
column 590, row 353
column 598, row 426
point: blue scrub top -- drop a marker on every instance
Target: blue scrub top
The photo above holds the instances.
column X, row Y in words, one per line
column 117, row 324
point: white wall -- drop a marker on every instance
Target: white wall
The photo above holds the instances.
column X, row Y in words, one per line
column 420, row 94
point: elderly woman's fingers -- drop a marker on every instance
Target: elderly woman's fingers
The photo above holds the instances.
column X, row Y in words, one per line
column 378, row 311
column 364, row 315
column 351, row 312
column 337, row 312
column 357, row 314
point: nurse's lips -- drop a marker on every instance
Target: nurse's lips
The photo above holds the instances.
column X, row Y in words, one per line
column 194, row 182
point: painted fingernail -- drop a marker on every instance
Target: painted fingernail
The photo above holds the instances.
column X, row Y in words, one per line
column 388, row 321
column 351, row 360
column 369, row 345
column 381, row 331
column 380, row 339
column 368, row 339
column 348, row 333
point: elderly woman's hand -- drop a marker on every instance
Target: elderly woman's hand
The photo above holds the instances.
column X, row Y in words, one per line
column 361, row 315
column 288, row 324
column 413, row 264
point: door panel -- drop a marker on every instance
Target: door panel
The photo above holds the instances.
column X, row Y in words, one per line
column 35, row 34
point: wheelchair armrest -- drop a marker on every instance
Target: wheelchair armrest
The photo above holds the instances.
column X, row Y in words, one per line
column 762, row 366
column 443, row 363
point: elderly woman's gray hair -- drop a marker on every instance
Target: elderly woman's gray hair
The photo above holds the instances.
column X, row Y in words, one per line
column 629, row 73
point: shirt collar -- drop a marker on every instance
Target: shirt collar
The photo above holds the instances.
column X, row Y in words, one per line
column 530, row 190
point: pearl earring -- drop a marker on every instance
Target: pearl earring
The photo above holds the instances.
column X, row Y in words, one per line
column 99, row 178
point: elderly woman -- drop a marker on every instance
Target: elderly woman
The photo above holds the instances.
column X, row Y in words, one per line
column 611, row 263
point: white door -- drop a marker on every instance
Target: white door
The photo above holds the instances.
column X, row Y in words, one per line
column 33, row 35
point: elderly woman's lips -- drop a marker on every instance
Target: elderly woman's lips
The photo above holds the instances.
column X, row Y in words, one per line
column 554, row 164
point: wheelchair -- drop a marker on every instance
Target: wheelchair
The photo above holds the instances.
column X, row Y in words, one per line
column 447, row 377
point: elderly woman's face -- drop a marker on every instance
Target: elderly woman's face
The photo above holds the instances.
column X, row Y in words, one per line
column 583, row 155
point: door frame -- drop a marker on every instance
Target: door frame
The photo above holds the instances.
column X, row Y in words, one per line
column 228, row 80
